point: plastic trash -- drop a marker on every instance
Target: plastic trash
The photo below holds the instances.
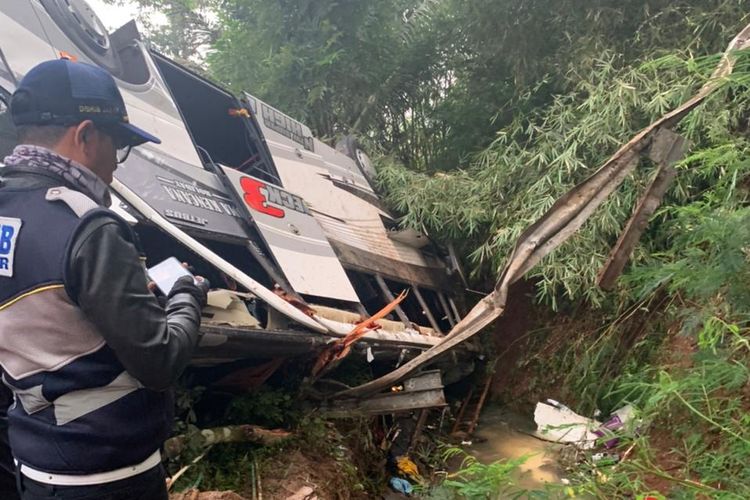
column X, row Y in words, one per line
column 558, row 423
column 407, row 467
column 617, row 421
column 401, row 485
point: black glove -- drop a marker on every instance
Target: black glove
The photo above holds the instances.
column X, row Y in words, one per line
column 186, row 284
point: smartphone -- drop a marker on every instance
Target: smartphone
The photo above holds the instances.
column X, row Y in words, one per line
column 166, row 273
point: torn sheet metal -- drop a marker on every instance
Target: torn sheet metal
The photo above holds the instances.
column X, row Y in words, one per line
column 666, row 149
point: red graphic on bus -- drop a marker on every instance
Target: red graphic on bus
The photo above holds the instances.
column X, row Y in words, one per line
column 256, row 195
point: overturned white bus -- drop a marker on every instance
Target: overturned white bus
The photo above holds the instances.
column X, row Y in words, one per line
column 283, row 210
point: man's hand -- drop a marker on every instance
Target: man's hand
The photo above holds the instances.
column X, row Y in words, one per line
column 197, row 287
column 153, row 287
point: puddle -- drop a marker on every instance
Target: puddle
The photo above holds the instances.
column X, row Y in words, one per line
column 501, row 435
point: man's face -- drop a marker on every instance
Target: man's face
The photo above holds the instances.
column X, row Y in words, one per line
column 104, row 154
column 93, row 146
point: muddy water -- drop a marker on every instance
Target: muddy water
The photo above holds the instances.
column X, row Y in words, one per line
column 503, row 435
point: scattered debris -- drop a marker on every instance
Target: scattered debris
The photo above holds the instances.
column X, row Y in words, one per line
column 421, row 391
column 226, row 307
column 615, row 422
column 252, row 377
column 417, row 434
column 407, row 467
column 601, row 459
column 558, row 423
column 229, row 434
column 474, row 402
column 401, row 485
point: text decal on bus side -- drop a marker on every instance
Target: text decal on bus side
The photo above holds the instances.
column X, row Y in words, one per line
column 9, row 229
column 268, row 199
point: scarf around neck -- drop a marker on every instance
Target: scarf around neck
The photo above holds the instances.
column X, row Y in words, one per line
column 75, row 174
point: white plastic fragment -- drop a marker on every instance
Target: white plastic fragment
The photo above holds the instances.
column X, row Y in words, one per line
column 560, row 424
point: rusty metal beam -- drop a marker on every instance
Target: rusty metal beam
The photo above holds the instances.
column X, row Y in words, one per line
column 462, row 410
column 667, row 148
column 480, row 405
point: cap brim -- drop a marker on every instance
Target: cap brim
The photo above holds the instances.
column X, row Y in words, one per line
column 134, row 136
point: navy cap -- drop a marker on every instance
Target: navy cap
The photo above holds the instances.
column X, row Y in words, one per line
column 65, row 93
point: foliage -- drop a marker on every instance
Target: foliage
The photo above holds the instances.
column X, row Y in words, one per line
column 429, row 81
column 265, row 406
column 182, row 29
column 474, row 479
column 705, row 402
column 679, row 354
column 538, row 158
column 703, row 411
column 185, row 417
column 707, row 256
column 341, row 460
column 325, row 62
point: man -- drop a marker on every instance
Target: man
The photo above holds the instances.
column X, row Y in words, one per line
column 85, row 347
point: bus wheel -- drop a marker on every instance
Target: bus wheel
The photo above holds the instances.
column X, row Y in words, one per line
column 83, row 27
column 351, row 148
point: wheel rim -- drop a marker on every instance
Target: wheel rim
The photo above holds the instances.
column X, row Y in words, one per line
column 88, row 23
column 365, row 163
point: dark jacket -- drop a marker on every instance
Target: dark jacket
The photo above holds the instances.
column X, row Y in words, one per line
column 84, row 345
